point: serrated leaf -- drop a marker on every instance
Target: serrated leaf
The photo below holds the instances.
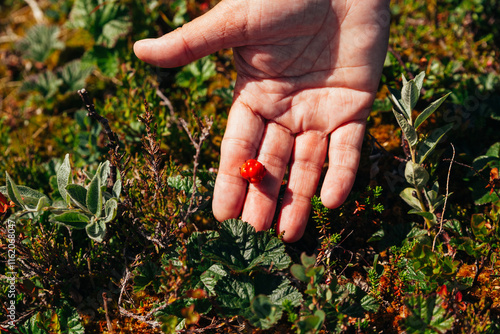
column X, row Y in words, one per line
column 211, row 276
column 429, row 144
column 146, row 275
column 40, row 41
column 73, row 218
column 96, row 230
column 428, row 315
column 409, row 98
column 408, row 130
column 236, row 293
column 64, row 178
column 74, row 74
column 183, row 183
column 242, row 249
column 107, row 22
column 416, row 175
column 429, row 110
column 106, row 60
column 370, row 303
column 13, row 192
column 78, row 194
column 408, row 196
column 94, row 195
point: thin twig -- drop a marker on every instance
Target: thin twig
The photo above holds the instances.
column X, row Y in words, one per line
column 108, row 321
column 166, row 102
column 477, row 172
column 401, row 62
column 114, row 143
column 205, row 132
column 445, row 198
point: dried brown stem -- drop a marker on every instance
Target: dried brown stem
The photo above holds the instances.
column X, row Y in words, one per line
column 197, row 143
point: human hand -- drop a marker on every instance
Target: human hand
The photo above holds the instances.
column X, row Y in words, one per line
column 308, row 72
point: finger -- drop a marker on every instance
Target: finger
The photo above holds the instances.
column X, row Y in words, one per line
column 308, row 158
column 240, row 143
column 219, row 28
column 344, row 154
column 260, row 203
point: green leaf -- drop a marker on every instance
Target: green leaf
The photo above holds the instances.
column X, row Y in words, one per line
column 427, row 215
column 117, row 187
column 307, row 261
column 408, row 130
column 106, row 60
column 312, row 323
column 64, row 178
column 265, row 313
column 40, row 41
column 429, row 111
column 46, row 84
column 73, row 218
column 146, row 275
column 242, row 249
column 105, row 171
column 106, row 21
column 395, row 98
column 13, row 192
column 478, row 226
column 235, row 295
column 43, row 202
column 78, row 194
column 74, row 74
column 416, row 175
column 298, row 271
column 428, row 145
column 494, row 150
column 94, row 195
column 428, row 315
column 419, row 80
column 409, row 98
column 211, row 276
column 32, row 199
column 110, row 209
column 408, row 196
column 183, row 183
column 370, row 303
column 96, row 230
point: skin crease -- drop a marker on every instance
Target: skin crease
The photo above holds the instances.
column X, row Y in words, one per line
column 308, row 72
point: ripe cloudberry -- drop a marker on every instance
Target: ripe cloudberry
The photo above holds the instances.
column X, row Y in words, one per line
column 253, row 171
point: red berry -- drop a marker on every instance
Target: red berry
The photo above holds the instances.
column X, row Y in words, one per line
column 253, row 171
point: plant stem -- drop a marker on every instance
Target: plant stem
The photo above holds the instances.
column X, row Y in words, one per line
column 419, row 192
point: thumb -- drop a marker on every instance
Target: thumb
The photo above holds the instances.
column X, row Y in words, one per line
column 221, row 27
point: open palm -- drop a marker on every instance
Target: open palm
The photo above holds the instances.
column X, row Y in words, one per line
column 308, row 72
